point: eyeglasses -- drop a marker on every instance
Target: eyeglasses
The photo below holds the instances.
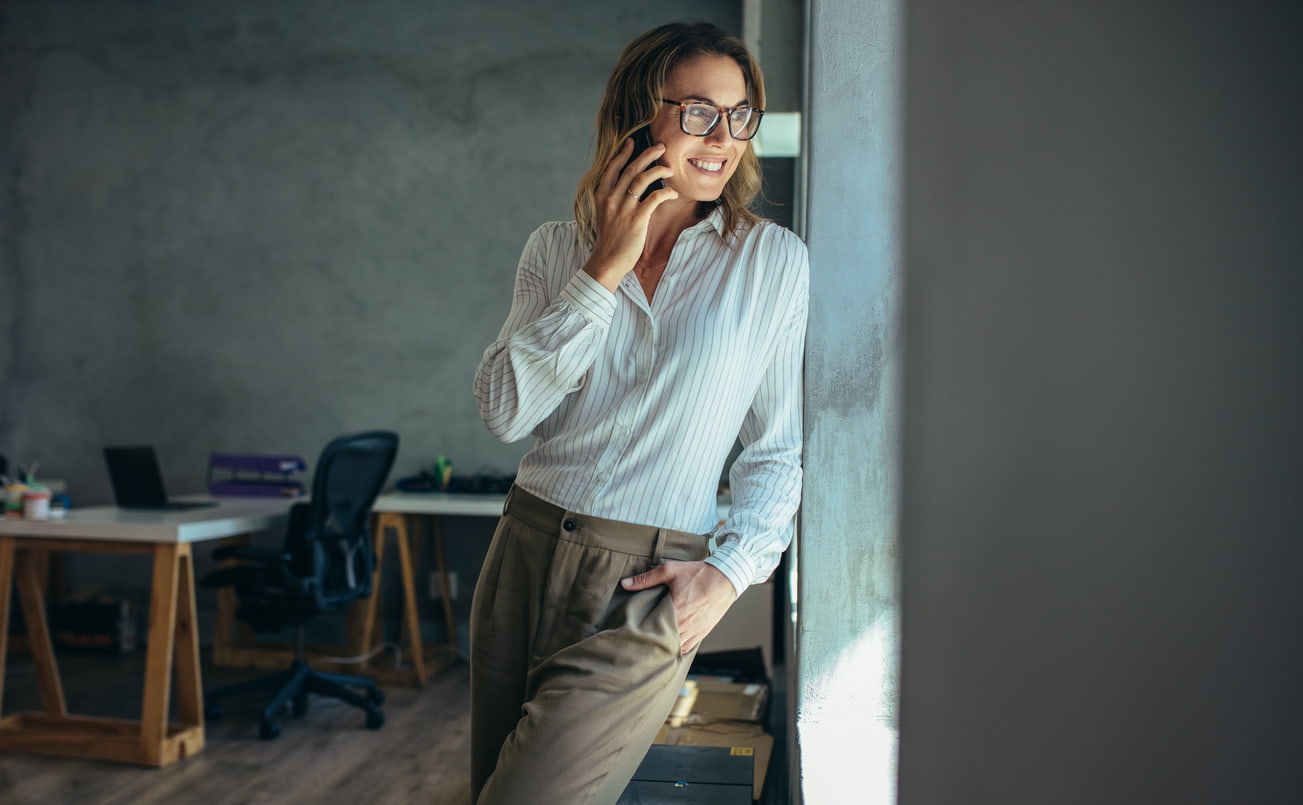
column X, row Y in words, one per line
column 699, row 119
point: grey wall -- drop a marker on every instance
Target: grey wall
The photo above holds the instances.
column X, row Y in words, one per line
column 1103, row 447
column 251, row 226
column 847, row 630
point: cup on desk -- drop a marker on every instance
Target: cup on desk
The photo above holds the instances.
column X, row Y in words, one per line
column 36, row 503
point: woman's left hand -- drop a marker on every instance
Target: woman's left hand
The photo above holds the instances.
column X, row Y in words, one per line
column 701, row 595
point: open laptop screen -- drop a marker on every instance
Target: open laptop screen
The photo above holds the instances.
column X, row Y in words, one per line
column 137, row 481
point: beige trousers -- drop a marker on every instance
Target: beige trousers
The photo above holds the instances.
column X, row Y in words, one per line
column 571, row 676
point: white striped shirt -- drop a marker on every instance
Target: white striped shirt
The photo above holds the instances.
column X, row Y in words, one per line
column 634, row 407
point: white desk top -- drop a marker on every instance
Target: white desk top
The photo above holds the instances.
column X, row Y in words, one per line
column 466, row 504
column 459, row 503
column 231, row 516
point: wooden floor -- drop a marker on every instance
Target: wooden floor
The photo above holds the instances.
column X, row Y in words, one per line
column 420, row 756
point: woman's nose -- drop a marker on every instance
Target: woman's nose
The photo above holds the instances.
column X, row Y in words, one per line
column 720, row 133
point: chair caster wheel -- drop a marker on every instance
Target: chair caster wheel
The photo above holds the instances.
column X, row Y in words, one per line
column 375, row 720
column 269, row 730
column 213, row 712
column 376, row 696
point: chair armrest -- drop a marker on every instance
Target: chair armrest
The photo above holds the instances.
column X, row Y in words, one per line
column 252, row 553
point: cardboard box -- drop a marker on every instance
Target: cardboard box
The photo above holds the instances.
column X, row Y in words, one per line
column 734, row 701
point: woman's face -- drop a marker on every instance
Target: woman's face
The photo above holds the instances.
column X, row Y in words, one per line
column 702, row 165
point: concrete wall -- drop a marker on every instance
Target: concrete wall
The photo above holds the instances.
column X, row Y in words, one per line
column 1100, row 530
column 252, row 226
column 846, row 683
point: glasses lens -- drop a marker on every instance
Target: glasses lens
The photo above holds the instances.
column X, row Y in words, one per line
column 743, row 122
column 699, row 118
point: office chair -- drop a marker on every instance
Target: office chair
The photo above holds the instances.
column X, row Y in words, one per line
column 326, row 563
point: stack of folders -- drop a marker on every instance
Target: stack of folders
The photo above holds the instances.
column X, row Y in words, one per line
column 254, row 475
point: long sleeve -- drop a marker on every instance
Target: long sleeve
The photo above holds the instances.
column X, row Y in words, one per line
column 766, row 477
column 550, row 339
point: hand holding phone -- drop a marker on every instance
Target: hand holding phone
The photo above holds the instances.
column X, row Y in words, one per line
column 622, row 227
column 642, row 140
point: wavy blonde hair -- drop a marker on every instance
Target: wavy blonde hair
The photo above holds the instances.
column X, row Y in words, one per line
column 633, row 99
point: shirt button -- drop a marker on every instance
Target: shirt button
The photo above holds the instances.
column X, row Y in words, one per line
column 569, row 525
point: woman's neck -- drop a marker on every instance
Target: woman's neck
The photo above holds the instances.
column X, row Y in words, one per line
column 667, row 223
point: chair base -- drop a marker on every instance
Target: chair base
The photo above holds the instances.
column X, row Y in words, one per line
column 293, row 686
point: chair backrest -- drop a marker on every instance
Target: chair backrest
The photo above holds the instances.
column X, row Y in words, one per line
column 331, row 540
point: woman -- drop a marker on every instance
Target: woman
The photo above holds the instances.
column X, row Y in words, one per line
column 644, row 338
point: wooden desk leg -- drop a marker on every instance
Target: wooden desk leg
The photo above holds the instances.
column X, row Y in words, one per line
column 161, row 644
column 411, row 612
column 449, row 617
column 189, row 685
column 32, row 597
column 6, row 593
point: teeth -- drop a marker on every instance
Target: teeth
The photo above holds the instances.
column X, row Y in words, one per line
column 707, row 166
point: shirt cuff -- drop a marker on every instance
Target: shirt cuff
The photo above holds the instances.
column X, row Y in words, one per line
column 734, row 565
column 593, row 301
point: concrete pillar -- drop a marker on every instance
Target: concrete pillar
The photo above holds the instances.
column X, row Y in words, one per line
column 846, row 681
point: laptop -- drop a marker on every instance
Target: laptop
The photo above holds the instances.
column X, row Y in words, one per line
column 138, row 483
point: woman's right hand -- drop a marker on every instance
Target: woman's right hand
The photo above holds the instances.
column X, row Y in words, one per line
column 622, row 219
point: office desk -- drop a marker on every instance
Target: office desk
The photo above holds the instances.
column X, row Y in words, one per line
column 173, row 642
column 397, row 513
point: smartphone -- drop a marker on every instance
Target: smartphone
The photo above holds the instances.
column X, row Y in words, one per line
column 641, row 142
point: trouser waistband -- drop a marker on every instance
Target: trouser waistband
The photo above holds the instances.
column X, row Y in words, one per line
column 598, row 532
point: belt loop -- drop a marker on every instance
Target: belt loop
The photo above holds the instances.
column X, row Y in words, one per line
column 659, row 547
column 506, row 504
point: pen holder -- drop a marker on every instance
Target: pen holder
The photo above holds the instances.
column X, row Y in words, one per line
column 36, row 503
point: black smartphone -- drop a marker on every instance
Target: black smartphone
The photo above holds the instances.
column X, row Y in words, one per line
column 641, row 142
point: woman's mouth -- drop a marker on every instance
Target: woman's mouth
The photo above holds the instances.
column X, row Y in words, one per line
column 707, row 165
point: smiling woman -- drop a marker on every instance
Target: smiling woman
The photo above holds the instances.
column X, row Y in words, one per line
column 645, row 338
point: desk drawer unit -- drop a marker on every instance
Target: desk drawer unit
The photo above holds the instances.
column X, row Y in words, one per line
column 701, row 775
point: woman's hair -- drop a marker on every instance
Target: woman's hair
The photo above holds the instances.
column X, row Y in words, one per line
column 633, row 99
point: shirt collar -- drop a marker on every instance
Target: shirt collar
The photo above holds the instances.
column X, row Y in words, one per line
column 715, row 220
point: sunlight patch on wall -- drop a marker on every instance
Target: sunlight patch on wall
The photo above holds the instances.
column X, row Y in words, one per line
column 844, row 724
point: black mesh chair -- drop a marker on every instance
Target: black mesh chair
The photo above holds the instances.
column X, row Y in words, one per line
column 327, row 562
